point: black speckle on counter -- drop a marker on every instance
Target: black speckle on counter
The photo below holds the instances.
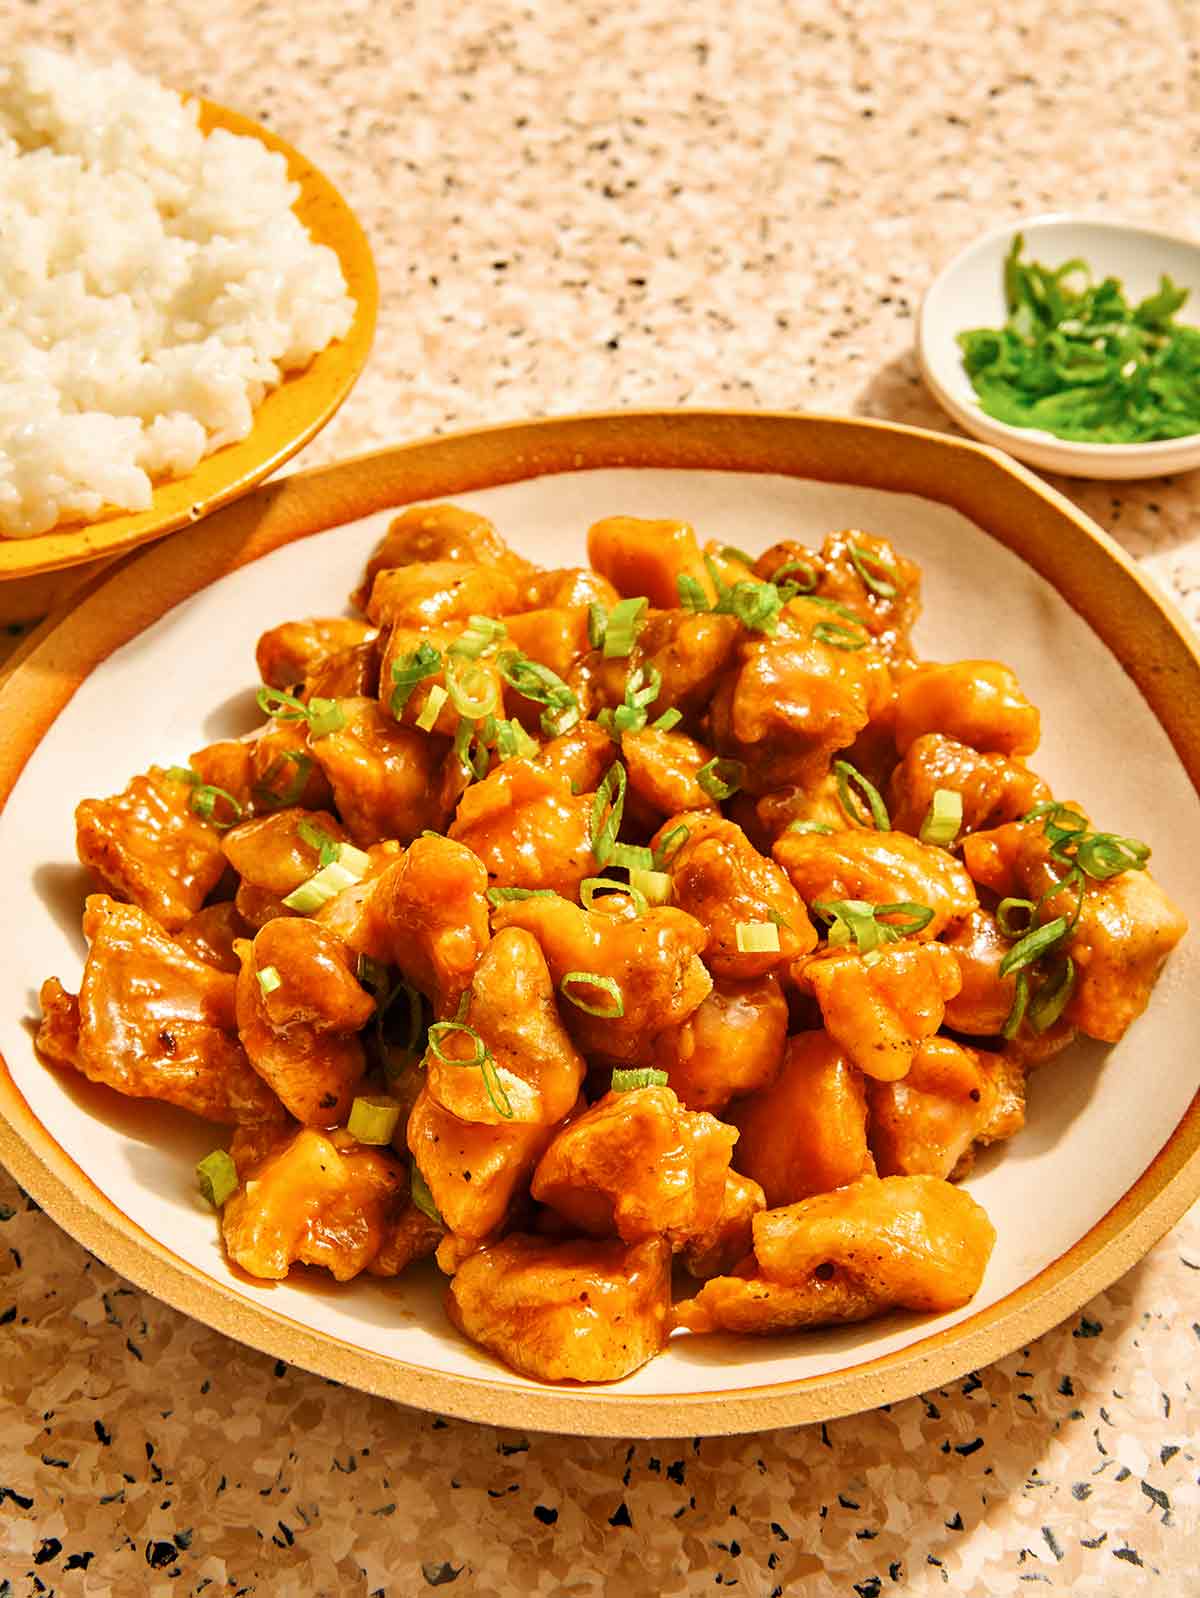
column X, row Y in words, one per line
column 1167, row 1452
column 1159, row 1499
column 621, row 1516
column 1129, row 1555
column 676, row 1471
column 956, row 1524
column 1081, row 1490
column 17, row 1498
column 848, row 1503
column 1087, row 1328
column 547, row 1516
column 1067, row 1387
column 160, row 1554
column 969, row 1448
column 871, row 1588
column 102, row 1432
column 1052, row 1543
column 79, row 1561
column 437, row 1575
column 779, row 1532
column 49, row 1548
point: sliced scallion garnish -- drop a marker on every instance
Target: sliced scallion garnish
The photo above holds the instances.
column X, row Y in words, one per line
column 432, row 708
column 512, row 741
column 849, row 779
column 534, row 681
column 608, row 806
column 217, row 1176
column 269, row 979
column 1034, row 945
column 640, row 1076
column 597, row 625
column 757, row 937
column 349, row 867
column 691, row 593
column 671, row 844
column 1014, row 917
column 205, row 797
column 483, row 635
column 874, row 571
column 1016, row 1014
column 822, row 827
column 591, row 886
column 499, row 896
column 721, row 778
column 472, row 690
column 943, row 818
column 317, row 838
column 268, row 797
column 422, row 662
column 732, row 552
column 631, row 856
column 668, row 720
column 421, row 1196
column 656, row 887
column 625, row 621
column 606, row 985
column 373, row 1118
column 868, row 925
column 323, row 715
column 1052, row 997
column 641, row 689
column 790, row 586
column 837, row 636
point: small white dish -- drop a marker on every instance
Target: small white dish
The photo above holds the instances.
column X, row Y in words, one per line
column 969, row 293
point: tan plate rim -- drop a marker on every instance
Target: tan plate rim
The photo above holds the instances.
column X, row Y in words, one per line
column 1091, row 572
column 288, row 417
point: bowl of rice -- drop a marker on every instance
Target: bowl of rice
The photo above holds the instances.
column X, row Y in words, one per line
column 184, row 302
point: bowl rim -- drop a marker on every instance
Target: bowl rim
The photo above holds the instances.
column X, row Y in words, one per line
column 324, row 384
column 1157, row 455
column 1090, row 571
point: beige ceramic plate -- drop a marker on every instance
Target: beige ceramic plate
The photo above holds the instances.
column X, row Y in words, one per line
column 287, row 418
column 157, row 659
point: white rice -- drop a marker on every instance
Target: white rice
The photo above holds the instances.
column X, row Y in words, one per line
column 154, row 284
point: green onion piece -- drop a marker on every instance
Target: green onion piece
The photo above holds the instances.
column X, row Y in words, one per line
column 495, row 1088
column 203, row 800
column 597, row 625
column 644, row 1076
column 721, row 778
column 182, row 774
column 267, row 797
column 778, row 918
column 732, row 552
column 483, row 634
column 756, row 605
column 790, row 586
column 269, row 979
column 283, row 706
column 839, row 637
column 1034, row 945
column 672, row 842
column 537, row 682
column 655, row 887
column 349, row 867
column 851, row 920
column 373, row 1118
column 218, row 1178
column 317, row 838
column 631, row 856
column 625, row 621
column 409, row 670
column 442, row 1029
column 591, row 980
column 668, row 720
column 324, row 716
column 473, row 693
column 757, row 937
column 809, row 826
column 850, row 778
column 641, row 689
column 1052, row 998
column 421, row 1196
column 471, row 750
column 875, row 572
column 591, row 886
column 691, row 593
column 903, row 919
column 432, row 708
column 1014, row 917
column 943, row 818
column 610, row 797
column 1104, row 854
column 498, row 896
column 1012, row 1023
column 513, row 741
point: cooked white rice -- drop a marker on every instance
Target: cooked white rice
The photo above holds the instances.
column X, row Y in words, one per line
column 154, row 284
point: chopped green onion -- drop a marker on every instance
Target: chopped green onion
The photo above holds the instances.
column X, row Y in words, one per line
column 473, row 694
column 850, row 778
column 182, row 774
column 632, row 856
column 471, row 750
column 1052, row 998
column 218, row 1178
column 269, row 979
column 349, row 867
column 373, row 1118
column 1034, row 945
column 838, row 609
column 283, row 706
column 317, row 838
column 482, row 636
column 268, row 798
column 625, row 621
column 203, row 800
column 778, row 918
column 432, row 708
column 421, row 1196
column 656, row 887
column 756, row 605
column 591, row 980
column 641, row 689
column 732, row 552
column 591, row 886
column 757, row 937
column 874, row 571
column 851, row 920
column 671, row 845
column 481, row 1056
column 789, row 587
column 513, row 741
column 1104, row 854
column 809, row 826
column 839, row 637
column 721, row 778
column 609, row 796
column 943, row 818
column 1016, row 1014
column 643, row 1076
column 324, row 716
column 691, row 593
column 537, row 682
column 903, row 919
column 597, row 625
column 412, row 668
column 1008, row 910
column 499, row 896
column 668, row 720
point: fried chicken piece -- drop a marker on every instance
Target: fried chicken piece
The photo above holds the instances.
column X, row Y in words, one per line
column 153, row 1021
column 576, row 1311
column 582, row 756
column 731, row 1045
column 556, row 637
column 806, row 1132
column 149, row 846
column 433, row 593
column 566, row 587
column 428, row 915
column 662, row 768
column 889, row 604
column 975, row 702
column 638, row 1164
column 383, row 776
column 211, row 933
column 994, row 789
column 900, row 1242
column 438, row 533
column 272, row 858
column 982, row 1004
column 926, row 1123
column 528, row 828
column 646, row 557
column 880, row 1008
column 879, row 868
column 716, row 1251
column 288, row 653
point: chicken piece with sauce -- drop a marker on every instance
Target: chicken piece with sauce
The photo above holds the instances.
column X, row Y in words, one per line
column 897, row 1242
column 993, row 788
column 974, row 702
column 287, row 654
column 861, row 572
column 927, row 1123
column 272, row 857
column 427, row 914
column 426, row 533
column 731, row 1045
column 383, row 776
column 878, row 868
column 528, row 828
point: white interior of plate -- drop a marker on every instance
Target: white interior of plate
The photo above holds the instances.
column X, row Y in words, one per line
column 1097, row 1116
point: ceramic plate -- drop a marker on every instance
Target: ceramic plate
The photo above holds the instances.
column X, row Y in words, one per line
column 158, row 659
column 287, row 418
column 969, row 293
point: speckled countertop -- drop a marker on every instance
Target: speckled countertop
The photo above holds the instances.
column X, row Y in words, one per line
column 578, row 206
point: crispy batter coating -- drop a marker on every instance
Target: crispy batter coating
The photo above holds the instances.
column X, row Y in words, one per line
column 432, row 593
column 273, row 859
column 287, row 654
column 806, row 1132
column 582, row 756
column 576, row 1311
column 880, row 1008
column 566, row 587
column 153, row 1021
column 646, row 557
column 148, row 845
column 994, row 789
column 731, row 1045
column 880, row 868
column 478, row 679
column 981, row 1005
column 925, row 1124
column 975, row 702
column 475, row 1170
column 726, row 1243
column 383, row 776
column 900, row 1242
column 662, row 769
column 638, row 1164
column 438, row 533
column 428, row 915
column 211, row 933
column 528, row 828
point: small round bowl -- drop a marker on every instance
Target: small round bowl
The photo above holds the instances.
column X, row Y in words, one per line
column 969, row 293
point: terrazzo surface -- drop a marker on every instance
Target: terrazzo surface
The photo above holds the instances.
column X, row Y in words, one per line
column 578, row 207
